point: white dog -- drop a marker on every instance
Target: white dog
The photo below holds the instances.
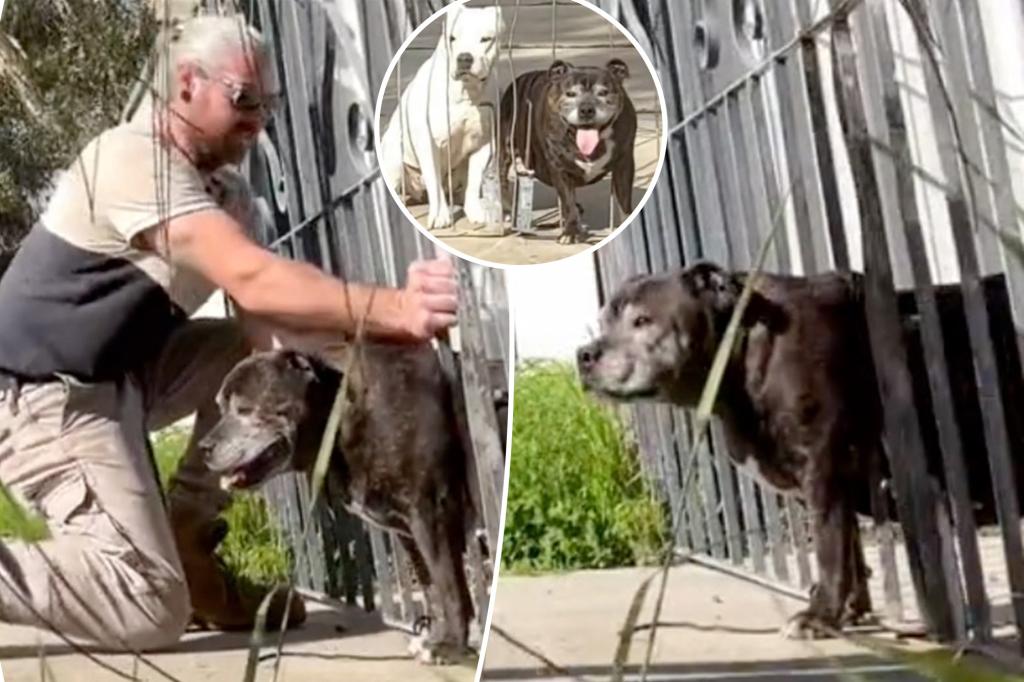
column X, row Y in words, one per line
column 457, row 69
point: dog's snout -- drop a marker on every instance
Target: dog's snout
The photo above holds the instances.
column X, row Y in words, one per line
column 587, row 111
column 464, row 61
column 588, row 355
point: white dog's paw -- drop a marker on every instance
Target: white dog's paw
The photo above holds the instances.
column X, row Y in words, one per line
column 440, row 218
column 476, row 212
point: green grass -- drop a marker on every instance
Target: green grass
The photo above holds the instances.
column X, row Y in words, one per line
column 17, row 523
column 576, row 496
column 254, row 547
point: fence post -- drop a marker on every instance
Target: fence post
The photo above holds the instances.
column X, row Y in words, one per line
column 915, row 498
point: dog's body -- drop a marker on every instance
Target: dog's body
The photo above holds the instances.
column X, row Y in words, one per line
column 398, row 460
column 439, row 115
column 583, row 126
column 798, row 398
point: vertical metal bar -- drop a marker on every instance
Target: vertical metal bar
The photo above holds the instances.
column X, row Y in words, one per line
column 797, row 139
column 481, row 417
column 882, row 84
column 768, row 179
column 752, row 522
column 978, row 323
column 914, row 496
column 773, row 526
column 994, row 143
column 829, row 186
column 742, row 179
column 730, row 505
column 710, row 497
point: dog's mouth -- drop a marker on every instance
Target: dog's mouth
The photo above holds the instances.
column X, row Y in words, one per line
column 621, row 394
column 618, row 390
column 258, row 469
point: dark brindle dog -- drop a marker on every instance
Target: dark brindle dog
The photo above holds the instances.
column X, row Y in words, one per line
column 798, row 398
column 398, row 460
column 583, row 126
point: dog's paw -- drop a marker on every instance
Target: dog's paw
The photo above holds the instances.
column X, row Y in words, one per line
column 440, row 218
column 437, row 653
column 806, row 626
column 476, row 212
column 572, row 237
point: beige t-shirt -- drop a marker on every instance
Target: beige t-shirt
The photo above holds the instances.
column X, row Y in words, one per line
column 81, row 297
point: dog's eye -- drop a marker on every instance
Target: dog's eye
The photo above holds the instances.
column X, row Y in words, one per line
column 452, row 39
column 570, row 94
column 243, row 410
column 641, row 321
column 602, row 93
column 487, row 40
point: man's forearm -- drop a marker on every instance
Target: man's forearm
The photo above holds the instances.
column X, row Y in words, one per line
column 299, row 296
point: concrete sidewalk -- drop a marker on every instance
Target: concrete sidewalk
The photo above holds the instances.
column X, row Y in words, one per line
column 331, row 646
column 716, row 628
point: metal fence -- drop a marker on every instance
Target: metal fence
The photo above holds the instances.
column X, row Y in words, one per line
column 322, row 200
column 883, row 119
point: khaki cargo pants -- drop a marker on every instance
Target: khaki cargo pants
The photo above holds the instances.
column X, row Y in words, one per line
column 77, row 453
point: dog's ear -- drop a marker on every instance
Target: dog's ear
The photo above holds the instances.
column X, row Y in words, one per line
column 618, row 69
column 711, row 283
column 300, row 362
column 558, row 69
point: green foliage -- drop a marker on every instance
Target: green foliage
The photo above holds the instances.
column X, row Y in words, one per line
column 254, row 548
column 17, row 523
column 576, row 496
column 80, row 60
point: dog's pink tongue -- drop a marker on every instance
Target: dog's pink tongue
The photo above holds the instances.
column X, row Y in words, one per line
column 587, row 141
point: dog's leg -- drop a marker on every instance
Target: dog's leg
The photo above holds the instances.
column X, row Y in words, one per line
column 473, row 205
column 429, row 157
column 858, row 602
column 622, row 185
column 572, row 225
column 448, row 638
column 419, row 645
column 833, row 525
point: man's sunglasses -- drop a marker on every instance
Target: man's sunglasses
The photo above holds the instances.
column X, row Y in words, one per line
column 248, row 98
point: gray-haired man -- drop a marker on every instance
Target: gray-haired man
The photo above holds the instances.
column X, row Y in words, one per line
column 97, row 349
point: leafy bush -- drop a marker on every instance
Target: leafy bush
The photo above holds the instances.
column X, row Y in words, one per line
column 66, row 70
column 576, row 497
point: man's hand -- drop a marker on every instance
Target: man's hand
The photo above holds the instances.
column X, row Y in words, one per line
column 429, row 301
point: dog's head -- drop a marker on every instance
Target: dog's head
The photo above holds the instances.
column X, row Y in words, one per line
column 265, row 402
column 658, row 330
column 473, row 36
column 588, row 98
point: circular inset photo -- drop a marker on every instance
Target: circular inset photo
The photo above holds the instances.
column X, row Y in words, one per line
column 520, row 132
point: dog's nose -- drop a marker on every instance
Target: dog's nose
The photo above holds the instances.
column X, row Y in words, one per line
column 588, row 355
column 464, row 61
column 587, row 112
